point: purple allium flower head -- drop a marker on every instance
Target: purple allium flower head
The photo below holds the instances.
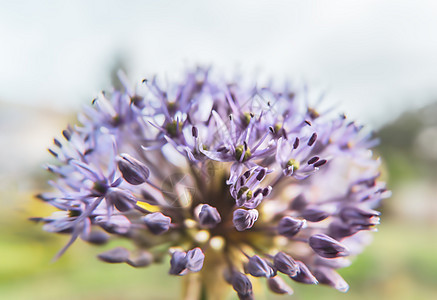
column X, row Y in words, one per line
column 220, row 178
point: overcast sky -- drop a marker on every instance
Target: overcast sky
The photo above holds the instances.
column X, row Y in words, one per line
column 374, row 57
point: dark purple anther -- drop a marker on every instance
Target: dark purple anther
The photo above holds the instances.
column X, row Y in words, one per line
column 57, row 143
column 53, row 152
column 312, row 139
column 296, row 143
column 257, row 192
column 66, row 134
column 195, row 132
column 320, row 163
column 267, row 191
column 261, row 174
column 313, row 160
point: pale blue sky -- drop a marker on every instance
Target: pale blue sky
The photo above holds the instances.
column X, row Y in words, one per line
column 375, row 57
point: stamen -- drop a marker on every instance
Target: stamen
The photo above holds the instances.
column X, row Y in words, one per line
column 312, row 139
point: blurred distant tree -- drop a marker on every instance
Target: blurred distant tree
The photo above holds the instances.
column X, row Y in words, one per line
column 408, row 146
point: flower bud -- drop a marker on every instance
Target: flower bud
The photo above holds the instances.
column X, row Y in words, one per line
column 314, row 214
column 304, row 275
column 326, row 246
column 133, row 171
column 178, row 263
column 116, row 255
column 339, row 229
column 277, row 285
column 358, row 216
column 157, row 223
column 299, row 203
column 244, row 219
column 242, row 285
column 330, row 277
column 195, row 260
column 289, row 226
column 285, row 263
column 258, row 267
column 122, row 200
column 117, row 224
column 143, row 259
column 209, row 216
column 96, row 237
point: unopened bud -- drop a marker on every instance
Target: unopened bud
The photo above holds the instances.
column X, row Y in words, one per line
column 157, row 223
column 277, row 285
column 244, row 219
column 133, row 171
column 304, row 275
column 178, row 263
column 289, row 226
column 195, row 260
column 258, row 267
column 97, row 237
column 285, row 263
column 314, row 214
column 116, row 255
column 327, row 247
column 209, row 216
column 143, row 259
column 330, row 277
column 241, row 284
column 122, row 200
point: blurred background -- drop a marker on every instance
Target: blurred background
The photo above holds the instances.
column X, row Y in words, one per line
column 375, row 60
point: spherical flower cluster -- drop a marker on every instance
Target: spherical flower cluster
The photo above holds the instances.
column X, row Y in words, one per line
column 228, row 181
